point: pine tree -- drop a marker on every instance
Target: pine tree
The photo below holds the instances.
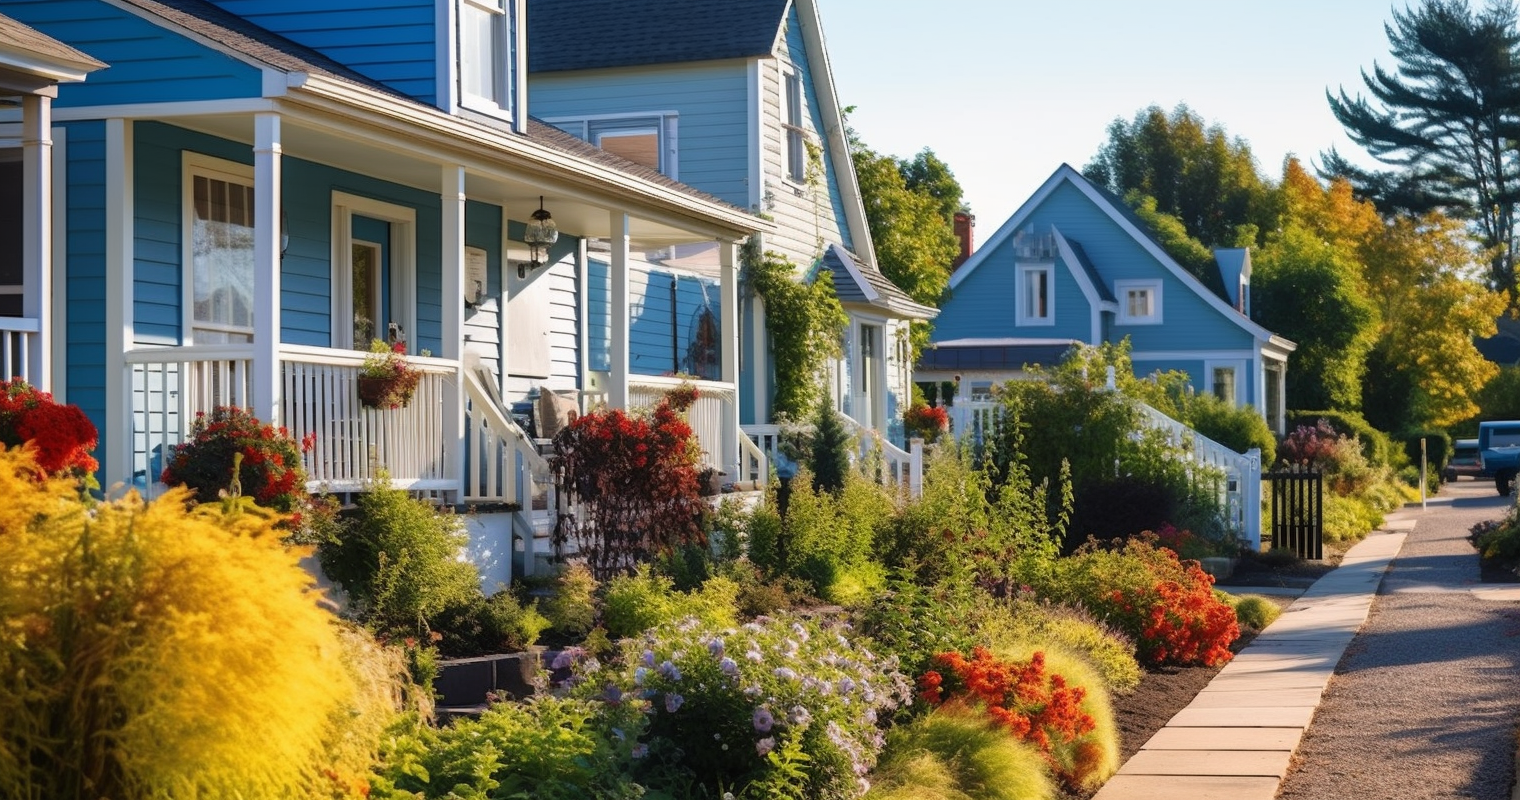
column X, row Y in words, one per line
column 831, row 449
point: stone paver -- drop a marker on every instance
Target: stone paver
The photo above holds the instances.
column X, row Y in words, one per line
column 1236, row 739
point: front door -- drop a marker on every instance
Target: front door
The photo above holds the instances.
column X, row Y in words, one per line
column 369, row 272
column 871, row 373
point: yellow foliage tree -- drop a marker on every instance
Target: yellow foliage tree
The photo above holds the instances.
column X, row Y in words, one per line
column 147, row 650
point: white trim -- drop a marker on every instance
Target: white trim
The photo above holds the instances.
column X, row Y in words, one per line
column 1191, row 355
column 403, row 256
column 665, row 125
column 60, row 299
column 755, row 135
column 120, row 255
column 1239, row 369
column 445, row 56
column 1095, row 303
column 1121, row 292
column 519, row 14
column 188, row 108
column 832, row 123
column 503, row 61
column 1065, row 174
column 192, row 165
column 1021, row 315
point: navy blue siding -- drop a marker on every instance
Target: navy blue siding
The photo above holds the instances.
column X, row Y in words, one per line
column 391, row 41
column 147, row 63
column 84, row 376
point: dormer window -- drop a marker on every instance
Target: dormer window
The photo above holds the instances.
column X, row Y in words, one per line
column 487, row 56
column 643, row 138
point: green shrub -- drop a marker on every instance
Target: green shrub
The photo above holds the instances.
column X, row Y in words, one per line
column 548, row 747
column 398, row 559
column 1348, row 519
column 571, row 610
column 830, row 458
column 955, row 753
column 269, row 469
column 1109, row 652
column 1238, row 428
column 1499, row 540
column 481, row 625
column 1254, row 611
column 635, row 603
column 912, row 622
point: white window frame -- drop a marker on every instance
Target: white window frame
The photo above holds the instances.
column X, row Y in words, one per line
column 1239, row 368
column 194, row 165
column 1121, row 293
column 793, row 126
column 1022, row 317
column 665, row 125
column 403, row 266
column 506, row 22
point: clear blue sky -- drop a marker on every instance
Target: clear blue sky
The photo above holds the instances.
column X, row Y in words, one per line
column 1004, row 91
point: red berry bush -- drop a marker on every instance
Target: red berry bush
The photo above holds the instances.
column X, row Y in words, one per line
column 635, row 476
column 1167, row 605
column 271, row 471
column 61, row 434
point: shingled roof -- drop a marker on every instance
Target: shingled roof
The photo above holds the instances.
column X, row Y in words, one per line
column 265, row 46
column 31, row 40
column 855, row 282
column 566, row 35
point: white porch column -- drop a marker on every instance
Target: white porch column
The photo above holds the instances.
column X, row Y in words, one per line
column 267, row 194
column 453, row 197
column 728, row 320
column 37, row 233
column 117, row 465
column 617, row 386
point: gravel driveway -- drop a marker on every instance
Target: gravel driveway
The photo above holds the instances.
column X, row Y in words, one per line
column 1426, row 700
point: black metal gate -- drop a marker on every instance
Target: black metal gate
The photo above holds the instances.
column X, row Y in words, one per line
column 1298, row 512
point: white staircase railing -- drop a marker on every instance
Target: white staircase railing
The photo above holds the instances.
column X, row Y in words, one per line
column 901, row 469
column 503, row 465
column 1238, row 474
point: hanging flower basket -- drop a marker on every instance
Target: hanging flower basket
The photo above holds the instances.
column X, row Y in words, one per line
column 387, row 380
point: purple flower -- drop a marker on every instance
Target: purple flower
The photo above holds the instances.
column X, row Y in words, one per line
column 673, row 702
column 563, row 659
column 785, row 673
column 765, row 746
column 800, row 716
column 846, row 686
column 715, row 646
column 612, row 695
column 648, row 658
column 639, row 674
column 670, row 671
column 728, row 667
column 799, row 631
column 763, row 720
column 754, row 654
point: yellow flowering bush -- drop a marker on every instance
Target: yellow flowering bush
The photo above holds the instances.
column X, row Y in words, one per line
column 147, row 650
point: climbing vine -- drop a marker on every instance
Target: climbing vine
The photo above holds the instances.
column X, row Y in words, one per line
column 806, row 322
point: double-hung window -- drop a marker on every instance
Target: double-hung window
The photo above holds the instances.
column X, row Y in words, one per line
column 1139, row 302
column 1035, row 292
column 219, row 217
column 487, row 55
column 792, row 129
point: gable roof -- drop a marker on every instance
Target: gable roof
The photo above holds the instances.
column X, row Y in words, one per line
column 855, row 282
column 1131, row 225
column 28, row 50
column 568, row 35
column 264, row 47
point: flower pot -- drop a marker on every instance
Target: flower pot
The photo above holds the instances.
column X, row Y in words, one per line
column 394, row 392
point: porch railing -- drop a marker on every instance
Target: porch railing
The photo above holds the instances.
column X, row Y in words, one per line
column 976, row 419
column 502, row 465
column 18, row 338
column 353, row 443
column 171, row 385
column 900, row 468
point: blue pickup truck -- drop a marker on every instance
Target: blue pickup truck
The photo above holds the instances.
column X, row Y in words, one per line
column 1499, row 452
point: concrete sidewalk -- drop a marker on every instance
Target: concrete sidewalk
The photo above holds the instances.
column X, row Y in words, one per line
column 1235, row 740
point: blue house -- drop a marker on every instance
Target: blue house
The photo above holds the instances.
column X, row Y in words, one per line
column 735, row 99
column 245, row 193
column 1072, row 265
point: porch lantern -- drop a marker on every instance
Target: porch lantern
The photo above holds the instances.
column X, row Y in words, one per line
column 539, row 233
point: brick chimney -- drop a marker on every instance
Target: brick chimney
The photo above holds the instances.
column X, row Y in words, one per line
column 964, row 225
